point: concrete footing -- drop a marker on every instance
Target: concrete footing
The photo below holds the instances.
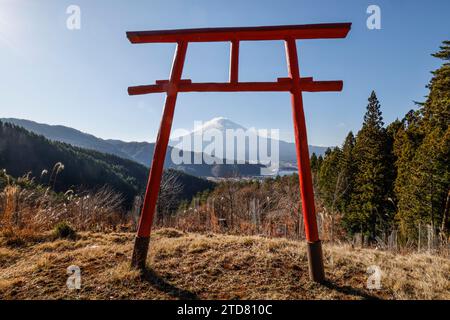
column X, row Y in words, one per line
column 315, row 260
column 140, row 252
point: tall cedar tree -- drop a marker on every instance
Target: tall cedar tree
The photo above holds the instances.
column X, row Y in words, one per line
column 314, row 171
column 331, row 182
column 347, row 167
column 422, row 148
column 369, row 198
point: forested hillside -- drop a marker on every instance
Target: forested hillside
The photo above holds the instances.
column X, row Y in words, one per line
column 395, row 176
column 63, row 167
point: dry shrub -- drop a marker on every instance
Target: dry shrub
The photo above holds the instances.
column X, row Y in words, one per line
column 29, row 211
column 273, row 209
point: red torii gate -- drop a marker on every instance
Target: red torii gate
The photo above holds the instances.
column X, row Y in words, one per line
column 294, row 84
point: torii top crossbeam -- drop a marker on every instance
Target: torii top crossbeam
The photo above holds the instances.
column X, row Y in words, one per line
column 234, row 35
column 305, row 31
column 293, row 84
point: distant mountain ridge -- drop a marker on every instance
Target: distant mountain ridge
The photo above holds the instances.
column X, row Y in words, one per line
column 141, row 152
column 67, row 135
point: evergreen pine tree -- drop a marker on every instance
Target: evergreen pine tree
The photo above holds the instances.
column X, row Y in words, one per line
column 331, row 182
column 369, row 197
column 347, row 167
column 422, row 148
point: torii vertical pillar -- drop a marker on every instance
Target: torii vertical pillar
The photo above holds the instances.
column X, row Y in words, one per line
column 142, row 240
column 316, row 271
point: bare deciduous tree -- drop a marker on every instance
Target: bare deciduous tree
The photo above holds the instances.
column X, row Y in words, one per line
column 169, row 194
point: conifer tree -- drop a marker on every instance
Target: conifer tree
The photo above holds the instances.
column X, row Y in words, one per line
column 369, row 198
column 347, row 167
column 422, row 148
column 314, row 170
column 331, row 182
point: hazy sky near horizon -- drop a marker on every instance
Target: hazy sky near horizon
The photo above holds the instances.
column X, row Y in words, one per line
column 79, row 78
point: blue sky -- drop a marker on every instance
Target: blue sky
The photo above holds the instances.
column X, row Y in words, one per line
column 79, row 78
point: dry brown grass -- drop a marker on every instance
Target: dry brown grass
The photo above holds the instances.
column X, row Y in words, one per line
column 210, row 266
column 23, row 211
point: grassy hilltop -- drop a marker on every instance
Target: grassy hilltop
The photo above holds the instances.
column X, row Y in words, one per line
column 209, row 266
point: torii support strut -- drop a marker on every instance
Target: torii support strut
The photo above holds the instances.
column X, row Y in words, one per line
column 293, row 84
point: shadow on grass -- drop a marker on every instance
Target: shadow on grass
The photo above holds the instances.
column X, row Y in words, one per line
column 161, row 284
column 349, row 291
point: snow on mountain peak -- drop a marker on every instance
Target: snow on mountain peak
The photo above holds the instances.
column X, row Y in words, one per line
column 219, row 123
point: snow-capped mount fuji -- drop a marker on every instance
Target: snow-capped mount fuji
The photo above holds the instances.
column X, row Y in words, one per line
column 287, row 151
column 219, row 123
